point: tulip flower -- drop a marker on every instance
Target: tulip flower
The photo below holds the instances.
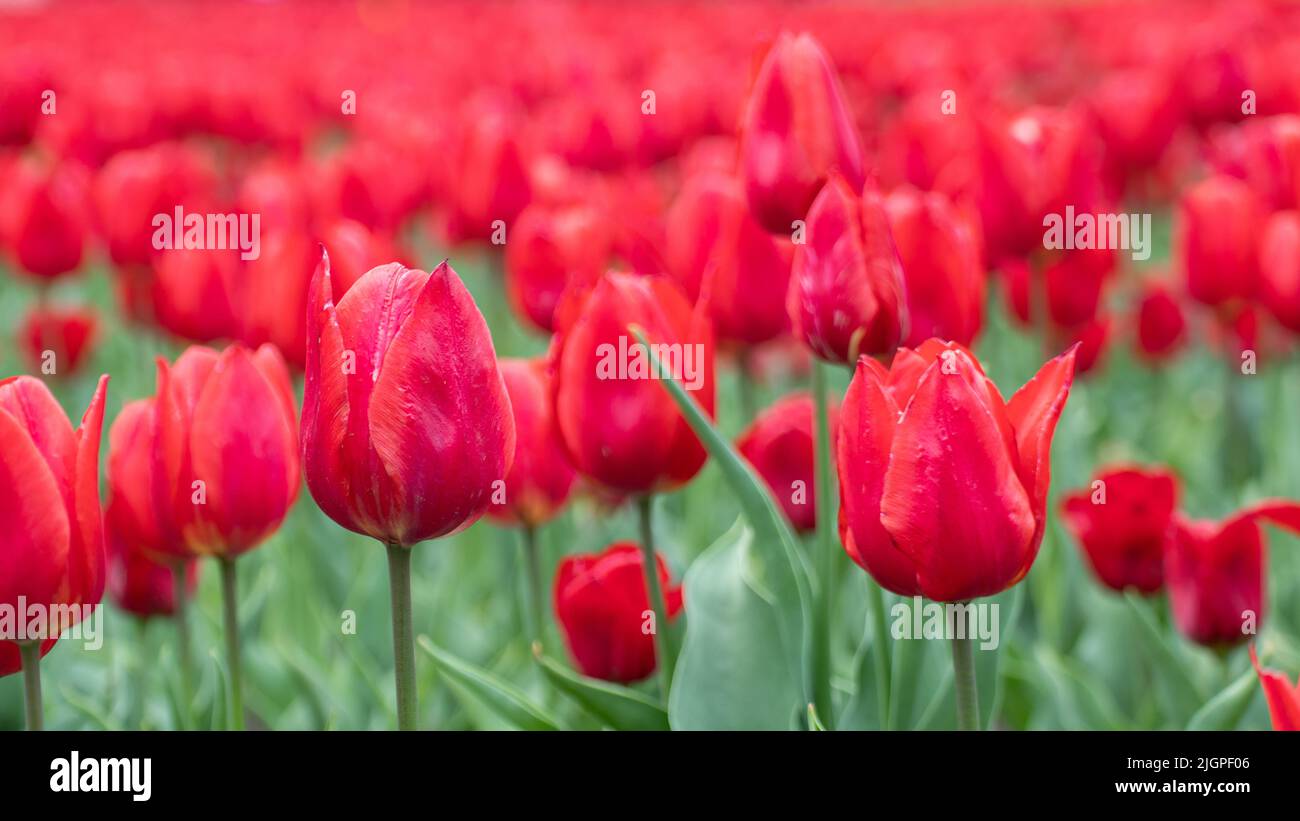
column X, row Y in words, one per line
column 1122, row 522
column 942, row 268
column 719, row 252
column 541, row 478
column 1283, row 697
column 1279, row 268
column 194, row 293
column 1215, row 572
column 142, row 586
column 1161, row 326
column 491, row 174
column 56, row 340
column 52, row 553
column 602, row 605
column 406, row 421
column 780, row 445
column 846, row 290
column 547, row 248
column 1220, row 224
column 48, row 223
column 796, row 133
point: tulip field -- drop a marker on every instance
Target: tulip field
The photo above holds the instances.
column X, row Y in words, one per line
column 575, row 366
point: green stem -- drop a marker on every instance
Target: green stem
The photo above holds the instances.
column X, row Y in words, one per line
column 30, row 653
column 399, row 592
column 963, row 671
column 824, row 499
column 532, row 560
column 230, row 609
column 663, row 646
column 879, row 649
column 180, row 614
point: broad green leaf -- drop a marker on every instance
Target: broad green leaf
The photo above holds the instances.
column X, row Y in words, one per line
column 1173, row 676
column 1224, row 710
column 502, row 698
column 622, row 708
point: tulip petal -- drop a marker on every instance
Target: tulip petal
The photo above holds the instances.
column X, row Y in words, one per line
column 32, row 405
column 1034, row 410
column 87, row 559
column 1282, row 696
column 34, row 526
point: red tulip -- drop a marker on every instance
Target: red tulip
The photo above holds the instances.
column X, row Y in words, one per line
column 491, row 180
column 1123, row 525
column 1221, row 220
column 602, row 605
column 140, row 585
column 942, row 267
column 547, row 248
column 47, row 223
column 406, row 421
column 1215, row 572
column 194, row 293
column 796, row 133
column 780, row 444
column 1161, row 326
column 1265, row 153
column 1091, row 339
column 716, row 249
column 1137, row 114
column 1074, row 284
column 1279, row 268
column 846, row 290
column 227, row 445
column 943, row 486
column 1283, row 697
column 65, row 333
column 138, row 513
column 620, row 427
column 53, row 549
column 541, row 477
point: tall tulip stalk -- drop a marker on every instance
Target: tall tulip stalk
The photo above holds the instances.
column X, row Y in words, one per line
column 406, row 424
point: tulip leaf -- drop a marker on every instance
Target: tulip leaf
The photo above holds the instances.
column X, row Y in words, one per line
column 1171, row 672
column 1224, row 710
column 621, row 708
column 503, row 699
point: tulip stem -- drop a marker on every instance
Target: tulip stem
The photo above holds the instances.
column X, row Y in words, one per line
column 534, row 569
column 663, row 647
column 399, row 592
column 181, row 616
column 230, row 610
column 30, row 653
column 823, row 494
column 963, row 671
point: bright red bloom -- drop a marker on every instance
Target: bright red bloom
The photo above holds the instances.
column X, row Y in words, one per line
column 541, row 477
column 1221, row 219
column 796, row 133
column 1215, row 572
column 942, row 266
column 943, row 486
column 47, row 220
column 67, row 333
column 406, row 422
column 1279, row 268
column 491, row 180
column 846, row 289
column 1265, row 153
column 141, row 586
column 718, row 251
column 780, row 444
column 619, row 424
column 1091, row 339
column 138, row 514
column 1137, row 112
column 1161, row 325
column 194, row 293
column 547, row 248
column 52, row 548
column 1283, row 696
column 1123, row 525
column 601, row 602
column 227, row 444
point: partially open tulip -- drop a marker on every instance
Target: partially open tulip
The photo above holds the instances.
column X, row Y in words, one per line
column 56, row 339
column 541, row 477
column 795, row 133
column 602, row 607
column 1122, row 522
column 1221, row 218
column 618, row 424
column 1279, row 268
column 942, row 266
column 779, row 444
column 1283, row 697
column 546, row 249
column 720, row 253
column 1215, row 572
column 943, row 485
column 846, row 289
column 1161, row 325
column 47, row 221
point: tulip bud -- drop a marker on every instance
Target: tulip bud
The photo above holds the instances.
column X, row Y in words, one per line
column 796, row 133
column 48, row 222
column 718, row 251
column 57, row 340
column 1283, row 697
column 1221, row 219
column 1279, row 268
column 1215, row 572
column 620, row 427
column 1161, row 326
column 943, row 486
column 550, row 247
column 194, row 293
column 541, row 477
column 846, row 290
column 604, row 611
column 52, row 552
column 780, row 446
column 406, row 421
column 1122, row 522
column 942, row 267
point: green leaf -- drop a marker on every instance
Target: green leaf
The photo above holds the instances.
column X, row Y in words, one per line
column 622, row 708
column 814, row 723
column 502, row 698
column 729, row 674
column 1177, row 682
column 1224, row 711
